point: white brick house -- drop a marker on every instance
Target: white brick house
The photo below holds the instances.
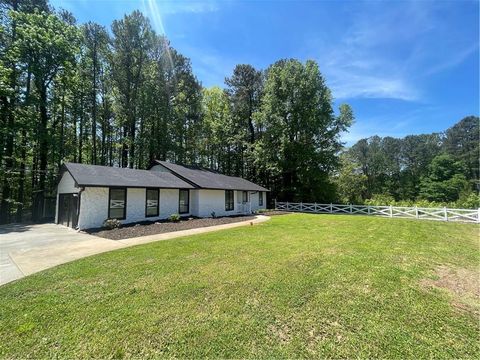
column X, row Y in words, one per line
column 89, row 194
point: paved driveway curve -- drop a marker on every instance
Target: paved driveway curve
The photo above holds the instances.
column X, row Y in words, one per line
column 27, row 249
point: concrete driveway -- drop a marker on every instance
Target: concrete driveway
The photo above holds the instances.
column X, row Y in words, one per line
column 26, row 249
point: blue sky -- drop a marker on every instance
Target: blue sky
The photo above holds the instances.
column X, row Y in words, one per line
column 406, row 67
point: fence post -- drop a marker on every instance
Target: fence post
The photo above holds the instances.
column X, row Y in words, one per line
column 275, row 203
column 416, row 212
column 445, row 213
column 368, row 209
column 478, row 216
column 331, row 208
column 287, row 206
column 301, row 206
column 391, row 211
column 315, row 208
column 351, row 208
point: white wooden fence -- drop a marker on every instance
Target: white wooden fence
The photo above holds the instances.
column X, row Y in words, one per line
column 442, row 214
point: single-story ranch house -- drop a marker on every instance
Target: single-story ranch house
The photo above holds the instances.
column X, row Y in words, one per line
column 89, row 194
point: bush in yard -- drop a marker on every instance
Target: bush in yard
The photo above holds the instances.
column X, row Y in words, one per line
column 445, row 180
column 174, row 218
column 112, row 224
column 380, row 200
column 469, row 201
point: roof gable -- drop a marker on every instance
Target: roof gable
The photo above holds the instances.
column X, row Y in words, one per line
column 209, row 179
column 96, row 175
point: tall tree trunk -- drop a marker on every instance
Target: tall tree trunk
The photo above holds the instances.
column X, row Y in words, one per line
column 23, row 157
column 39, row 199
column 124, row 156
column 10, row 132
column 21, row 182
column 62, row 127
column 8, row 165
column 131, row 155
column 94, row 104
column 80, row 133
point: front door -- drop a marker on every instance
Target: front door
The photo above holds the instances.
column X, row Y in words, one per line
column 67, row 210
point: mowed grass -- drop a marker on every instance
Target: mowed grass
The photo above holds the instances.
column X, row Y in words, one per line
column 296, row 286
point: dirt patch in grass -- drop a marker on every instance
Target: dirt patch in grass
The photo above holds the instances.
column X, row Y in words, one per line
column 281, row 332
column 463, row 284
column 164, row 226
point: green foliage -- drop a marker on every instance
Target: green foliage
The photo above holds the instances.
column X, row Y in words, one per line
column 112, row 224
column 300, row 139
column 244, row 90
column 350, row 183
column 174, row 218
column 217, row 145
column 381, row 199
column 46, row 43
column 432, row 169
column 469, row 200
column 462, row 141
column 445, row 180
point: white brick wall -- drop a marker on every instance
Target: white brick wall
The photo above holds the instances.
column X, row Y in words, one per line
column 94, row 206
column 214, row 200
column 169, row 202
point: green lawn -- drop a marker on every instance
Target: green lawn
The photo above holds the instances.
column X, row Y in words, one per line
column 296, row 286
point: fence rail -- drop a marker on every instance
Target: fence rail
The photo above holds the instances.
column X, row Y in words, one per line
column 441, row 214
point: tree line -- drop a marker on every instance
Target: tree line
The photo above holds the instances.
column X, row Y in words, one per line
column 124, row 96
column 430, row 169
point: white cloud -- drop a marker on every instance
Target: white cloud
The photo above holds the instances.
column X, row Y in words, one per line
column 362, row 63
column 175, row 7
column 456, row 59
column 209, row 65
column 347, row 85
column 385, row 51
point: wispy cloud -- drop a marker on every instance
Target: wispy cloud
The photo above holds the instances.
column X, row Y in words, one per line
column 179, row 6
column 346, row 84
column 455, row 59
column 364, row 62
column 398, row 124
column 385, row 50
column 156, row 10
column 209, row 65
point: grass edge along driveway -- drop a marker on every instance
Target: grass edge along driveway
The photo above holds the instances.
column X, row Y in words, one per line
column 296, row 286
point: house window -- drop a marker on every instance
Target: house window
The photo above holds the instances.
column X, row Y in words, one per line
column 183, row 201
column 229, row 205
column 117, row 201
column 152, row 203
column 260, row 198
column 245, row 196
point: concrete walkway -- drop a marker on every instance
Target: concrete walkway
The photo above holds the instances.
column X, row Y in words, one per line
column 27, row 249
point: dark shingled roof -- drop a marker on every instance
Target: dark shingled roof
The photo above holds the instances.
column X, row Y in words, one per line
column 95, row 175
column 209, row 179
